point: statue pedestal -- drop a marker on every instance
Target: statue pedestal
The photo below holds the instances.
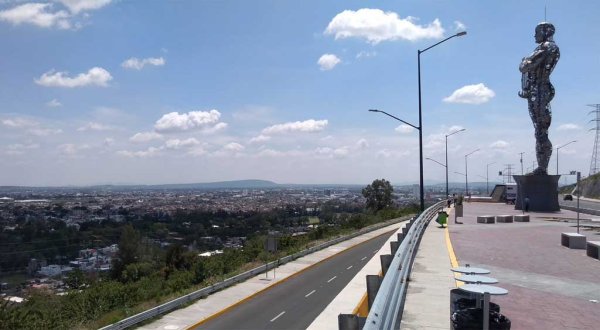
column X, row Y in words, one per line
column 542, row 191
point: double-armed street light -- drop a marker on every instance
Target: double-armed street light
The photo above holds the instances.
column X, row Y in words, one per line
column 558, row 148
column 467, row 171
column 447, row 135
column 420, row 126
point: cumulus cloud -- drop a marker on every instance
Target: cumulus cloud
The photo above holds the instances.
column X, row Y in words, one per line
column 328, row 62
column 179, row 144
column 53, row 103
column 29, row 126
column 175, row 121
column 260, row 138
column 455, row 128
column 19, row 122
column 41, row 131
column 150, row 152
column 306, row 126
column 376, row 26
column 500, row 144
column 138, row 64
column 39, row 14
column 362, row 144
column 404, row 129
column 76, row 6
column 95, row 76
column 145, row 137
column 471, row 94
column 332, row 152
column 568, row 127
column 92, row 126
column 234, row 147
column 72, row 150
column 214, row 129
column 459, row 26
column 363, row 54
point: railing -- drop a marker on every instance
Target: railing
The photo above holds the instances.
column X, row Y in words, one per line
column 173, row 304
column 387, row 308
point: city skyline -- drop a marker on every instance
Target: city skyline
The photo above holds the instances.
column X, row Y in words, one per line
column 112, row 92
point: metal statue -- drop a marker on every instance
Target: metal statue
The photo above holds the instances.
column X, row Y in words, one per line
column 537, row 89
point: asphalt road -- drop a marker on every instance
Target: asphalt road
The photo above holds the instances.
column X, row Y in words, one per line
column 582, row 203
column 295, row 303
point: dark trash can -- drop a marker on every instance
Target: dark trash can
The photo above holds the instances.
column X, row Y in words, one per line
column 464, row 303
column 472, row 319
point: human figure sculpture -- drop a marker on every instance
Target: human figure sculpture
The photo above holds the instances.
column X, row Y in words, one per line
column 537, row 89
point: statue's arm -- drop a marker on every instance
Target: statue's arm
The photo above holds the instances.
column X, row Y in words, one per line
column 534, row 60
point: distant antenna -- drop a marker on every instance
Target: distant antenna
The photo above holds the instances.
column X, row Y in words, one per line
column 521, row 153
column 545, row 14
column 507, row 173
column 594, row 166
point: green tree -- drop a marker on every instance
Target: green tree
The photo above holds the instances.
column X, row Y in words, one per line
column 129, row 250
column 378, row 194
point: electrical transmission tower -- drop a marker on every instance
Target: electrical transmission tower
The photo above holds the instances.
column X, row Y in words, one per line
column 507, row 173
column 594, row 166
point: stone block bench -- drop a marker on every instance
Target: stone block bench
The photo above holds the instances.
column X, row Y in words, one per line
column 592, row 249
column 504, row 218
column 521, row 217
column 573, row 240
column 486, row 219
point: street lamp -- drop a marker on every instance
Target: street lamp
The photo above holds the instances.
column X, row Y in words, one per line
column 422, row 195
column 557, row 148
column 447, row 135
column 467, row 172
column 487, row 177
column 459, row 34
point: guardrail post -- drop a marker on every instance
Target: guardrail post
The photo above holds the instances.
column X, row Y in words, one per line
column 386, row 260
column 394, row 247
column 400, row 237
column 350, row 322
column 405, row 230
column 373, row 283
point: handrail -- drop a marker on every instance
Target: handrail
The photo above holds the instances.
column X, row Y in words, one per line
column 175, row 303
column 387, row 308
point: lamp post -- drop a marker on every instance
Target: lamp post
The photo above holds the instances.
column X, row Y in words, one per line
column 422, row 195
column 487, row 177
column 558, row 148
column 459, row 34
column 447, row 135
column 467, row 172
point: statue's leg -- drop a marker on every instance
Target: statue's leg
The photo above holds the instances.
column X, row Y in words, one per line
column 543, row 146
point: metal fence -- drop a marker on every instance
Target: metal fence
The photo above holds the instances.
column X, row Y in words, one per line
column 176, row 303
column 386, row 310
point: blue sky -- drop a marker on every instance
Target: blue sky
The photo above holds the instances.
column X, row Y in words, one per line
column 101, row 91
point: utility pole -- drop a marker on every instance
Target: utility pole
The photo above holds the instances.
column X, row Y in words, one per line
column 521, row 153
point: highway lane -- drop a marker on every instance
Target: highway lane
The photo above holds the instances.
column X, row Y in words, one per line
column 295, row 303
column 584, row 204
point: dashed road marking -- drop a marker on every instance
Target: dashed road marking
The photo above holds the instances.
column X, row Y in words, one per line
column 349, row 267
column 331, row 279
column 363, row 258
column 276, row 317
column 313, row 291
column 375, row 251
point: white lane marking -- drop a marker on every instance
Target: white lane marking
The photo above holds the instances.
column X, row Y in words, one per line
column 363, row 258
column 313, row 291
column 276, row 317
column 349, row 267
column 331, row 279
column 375, row 251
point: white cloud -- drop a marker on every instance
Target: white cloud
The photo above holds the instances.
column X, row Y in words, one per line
column 328, row 62
column 38, row 14
column 178, row 144
column 404, row 129
column 270, row 153
column 454, row 128
column 137, row 64
column 197, row 151
column 310, row 125
column 568, row 127
column 376, row 26
column 72, row 150
column 95, row 76
column 500, row 144
column 150, row 152
column 471, row 94
column 362, row 144
column 260, row 138
column 145, row 137
column 53, row 103
column 41, row 131
column 331, row 152
column 19, row 123
column 92, row 126
column 174, row 121
column 214, row 129
column 19, row 149
column 459, row 26
column 363, row 54
column 30, row 126
column 233, row 146
column 76, row 6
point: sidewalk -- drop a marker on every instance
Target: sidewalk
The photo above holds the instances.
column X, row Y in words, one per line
column 222, row 300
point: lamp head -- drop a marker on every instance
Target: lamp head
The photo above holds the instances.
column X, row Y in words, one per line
column 373, row 110
column 462, row 33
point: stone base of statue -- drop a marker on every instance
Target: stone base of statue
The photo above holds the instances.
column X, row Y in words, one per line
column 541, row 189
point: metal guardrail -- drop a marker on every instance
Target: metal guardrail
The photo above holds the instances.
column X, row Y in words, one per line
column 176, row 303
column 387, row 308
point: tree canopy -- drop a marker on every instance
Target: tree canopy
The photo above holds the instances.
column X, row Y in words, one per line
column 378, row 194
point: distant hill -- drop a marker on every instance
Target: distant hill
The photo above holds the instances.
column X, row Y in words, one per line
column 590, row 187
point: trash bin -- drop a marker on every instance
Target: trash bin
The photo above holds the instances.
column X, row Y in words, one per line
column 472, row 319
column 442, row 218
column 464, row 303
